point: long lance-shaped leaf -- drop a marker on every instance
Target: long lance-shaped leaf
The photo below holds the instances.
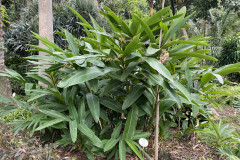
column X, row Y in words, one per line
column 110, row 144
column 133, row 96
column 131, row 123
column 171, row 92
column 122, row 150
column 134, row 148
column 15, row 75
column 182, row 89
column 49, row 124
column 159, row 67
column 157, row 16
column 173, row 30
column 82, row 76
column 208, row 76
column 79, row 16
column 73, row 130
column 93, row 104
column 117, row 130
column 90, row 134
column 41, row 78
column 112, row 104
column 146, row 29
column 133, row 45
column 55, row 114
column 72, row 43
column 185, row 42
column 198, row 54
column 48, row 43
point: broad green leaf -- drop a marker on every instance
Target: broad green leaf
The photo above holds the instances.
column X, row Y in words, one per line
column 198, row 54
column 145, row 28
column 48, row 43
column 131, row 123
column 227, row 70
column 117, row 130
column 139, row 134
column 182, row 89
column 122, row 150
column 208, row 76
column 37, row 48
column 128, row 70
column 15, row 74
column 111, row 85
column 151, row 51
column 112, row 104
column 175, row 28
column 93, row 85
column 110, row 144
column 49, row 124
column 72, row 42
column 72, row 109
column 94, row 106
column 73, row 130
column 133, row 45
column 159, row 67
column 81, row 110
column 155, row 18
column 41, row 78
column 135, row 93
column 195, row 110
column 82, row 57
column 185, row 42
column 79, row 16
column 134, row 148
column 35, row 96
column 164, row 105
column 83, row 75
column 90, row 134
column 55, row 114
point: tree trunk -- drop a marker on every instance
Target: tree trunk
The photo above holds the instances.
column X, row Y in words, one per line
column 151, row 8
column 45, row 25
column 5, row 87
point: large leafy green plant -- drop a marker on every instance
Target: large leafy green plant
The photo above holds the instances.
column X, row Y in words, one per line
column 103, row 90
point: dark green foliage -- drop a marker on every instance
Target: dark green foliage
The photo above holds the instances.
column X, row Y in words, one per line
column 19, row 33
column 230, row 54
column 101, row 89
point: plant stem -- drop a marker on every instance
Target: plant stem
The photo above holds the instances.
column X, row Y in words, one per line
column 157, row 124
column 157, row 101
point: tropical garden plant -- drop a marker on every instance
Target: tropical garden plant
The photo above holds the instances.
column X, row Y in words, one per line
column 107, row 90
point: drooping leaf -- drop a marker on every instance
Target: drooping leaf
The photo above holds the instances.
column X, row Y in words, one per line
column 122, row 150
column 94, row 106
column 133, row 45
column 134, row 148
column 90, row 134
column 73, row 130
column 131, row 123
column 155, row 64
column 145, row 28
column 110, row 144
column 82, row 76
column 55, row 114
column 116, row 131
column 49, row 124
column 135, row 93
column 112, row 104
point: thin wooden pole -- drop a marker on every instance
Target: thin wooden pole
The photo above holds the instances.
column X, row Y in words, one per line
column 157, row 102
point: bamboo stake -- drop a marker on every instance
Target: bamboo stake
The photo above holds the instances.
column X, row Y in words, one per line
column 157, row 102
